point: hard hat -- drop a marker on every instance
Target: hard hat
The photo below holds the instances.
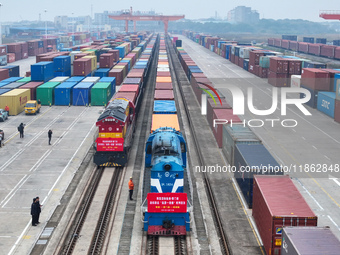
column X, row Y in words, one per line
column 131, row 177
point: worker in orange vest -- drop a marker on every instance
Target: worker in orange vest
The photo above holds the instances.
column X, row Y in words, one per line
column 131, row 186
column 7, row 109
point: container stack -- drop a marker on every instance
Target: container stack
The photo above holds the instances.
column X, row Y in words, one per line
column 15, row 48
column 62, row 66
column 3, row 55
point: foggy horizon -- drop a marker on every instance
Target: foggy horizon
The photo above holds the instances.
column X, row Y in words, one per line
column 16, row 11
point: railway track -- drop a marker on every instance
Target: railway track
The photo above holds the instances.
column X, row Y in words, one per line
column 74, row 232
column 225, row 248
column 153, row 246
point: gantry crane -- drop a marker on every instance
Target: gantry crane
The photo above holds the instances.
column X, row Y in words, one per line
column 333, row 15
column 127, row 16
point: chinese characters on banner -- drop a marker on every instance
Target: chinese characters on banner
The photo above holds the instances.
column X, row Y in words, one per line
column 167, row 202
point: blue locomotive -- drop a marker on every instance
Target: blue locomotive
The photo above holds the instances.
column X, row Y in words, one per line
column 165, row 188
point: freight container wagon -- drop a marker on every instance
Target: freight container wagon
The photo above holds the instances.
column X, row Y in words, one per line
column 164, row 107
column 16, row 100
column 164, row 120
column 45, row 93
column 101, row 93
column 63, row 93
column 251, row 160
column 81, row 93
column 309, row 240
column 236, row 134
column 278, row 203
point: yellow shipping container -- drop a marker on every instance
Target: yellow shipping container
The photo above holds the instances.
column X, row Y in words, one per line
column 90, row 52
column 110, row 135
column 93, row 62
column 16, row 100
column 85, row 49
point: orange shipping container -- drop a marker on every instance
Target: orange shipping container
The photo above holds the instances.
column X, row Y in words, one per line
column 164, row 120
column 163, row 79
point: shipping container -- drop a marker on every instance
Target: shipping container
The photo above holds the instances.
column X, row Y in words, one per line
column 314, row 97
column 59, row 79
column 75, row 79
column 337, row 111
column 16, row 100
column 164, row 120
column 82, row 67
column 91, row 79
column 249, row 160
column 295, row 81
column 13, row 70
column 236, row 134
column 101, row 93
column 127, row 95
column 163, row 79
column 309, row 240
column 315, row 79
column 63, row 93
column 4, row 74
column 45, row 93
column 164, row 95
column 62, row 63
column 102, row 72
column 326, row 103
column 164, row 107
column 25, row 79
column 278, row 79
column 118, row 74
column 164, row 85
column 112, row 81
column 32, row 86
column 3, row 91
column 278, row 203
column 42, row 71
column 106, row 60
column 81, row 93
column 13, row 85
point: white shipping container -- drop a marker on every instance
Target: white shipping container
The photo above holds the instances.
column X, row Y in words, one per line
column 72, row 54
column 60, row 79
column 244, row 52
column 295, row 81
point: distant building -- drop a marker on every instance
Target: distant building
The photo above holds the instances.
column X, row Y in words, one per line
column 70, row 23
column 243, row 14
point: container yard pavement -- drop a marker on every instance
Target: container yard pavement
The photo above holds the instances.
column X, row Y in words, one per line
column 29, row 167
column 315, row 140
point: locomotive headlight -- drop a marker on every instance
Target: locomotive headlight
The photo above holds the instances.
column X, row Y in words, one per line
column 167, row 167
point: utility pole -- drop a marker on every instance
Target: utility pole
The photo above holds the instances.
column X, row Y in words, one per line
column 45, row 24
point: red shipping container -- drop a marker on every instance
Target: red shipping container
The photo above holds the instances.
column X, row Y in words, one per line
column 316, row 79
column 278, row 65
column 337, row 53
column 211, row 106
column 314, row 49
column 254, row 57
column 257, row 70
column 164, row 85
column 263, row 72
column 198, row 75
column 277, row 203
column 236, row 60
column 129, row 88
column 82, row 67
column 33, row 52
column 32, row 86
column 4, row 74
column 271, row 41
column 164, row 95
column 232, row 58
column 303, row 47
column 332, row 73
column 327, row 51
column 118, row 73
column 128, row 95
column 28, row 74
column 278, row 80
column 10, row 57
column 295, row 66
column 293, row 45
column 285, row 44
column 14, row 48
column 3, row 51
column 163, row 74
column 106, row 60
column 337, row 111
column 80, row 55
column 222, row 114
column 277, row 42
column 240, row 62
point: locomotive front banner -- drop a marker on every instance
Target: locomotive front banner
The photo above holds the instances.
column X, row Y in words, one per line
column 109, row 144
column 167, row 202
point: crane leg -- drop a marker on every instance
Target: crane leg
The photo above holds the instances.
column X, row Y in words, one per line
column 166, row 23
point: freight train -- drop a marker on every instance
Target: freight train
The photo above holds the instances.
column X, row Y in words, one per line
column 166, row 194
column 117, row 123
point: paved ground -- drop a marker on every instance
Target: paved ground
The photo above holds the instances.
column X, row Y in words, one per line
column 315, row 140
column 29, row 167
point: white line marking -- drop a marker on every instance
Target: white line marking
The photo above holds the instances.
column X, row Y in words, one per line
column 294, row 130
column 327, row 157
column 317, row 203
column 329, row 217
column 13, row 189
column 314, row 147
column 303, row 138
column 335, row 180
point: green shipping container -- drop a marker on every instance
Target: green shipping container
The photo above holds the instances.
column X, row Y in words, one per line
column 45, row 93
column 101, row 93
column 264, row 61
column 26, row 80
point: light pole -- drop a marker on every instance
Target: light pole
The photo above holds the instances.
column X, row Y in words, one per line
column 45, row 24
column 0, row 25
column 72, row 23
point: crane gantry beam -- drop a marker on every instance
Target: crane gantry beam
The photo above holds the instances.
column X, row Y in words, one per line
column 332, row 15
column 129, row 17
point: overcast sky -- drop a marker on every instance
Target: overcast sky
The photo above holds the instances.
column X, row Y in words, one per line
column 16, row 10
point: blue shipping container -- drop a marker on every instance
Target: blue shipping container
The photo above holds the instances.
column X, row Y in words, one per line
column 3, row 91
column 68, row 73
column 75, row 79
column 102, row 72
column 257, row 159
column 336, row 78
column 13, row 85
column 82, row 93
column 246, row 64
column 314, row 97
column 164, row 107
column 63, row 93
column 42, row 71
column 13, row 71
column 112, row 80
column 12, row 79
column 311, row 64
column 121, row 51
column 62, row 63
column 326, row 103
column 4, row 83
